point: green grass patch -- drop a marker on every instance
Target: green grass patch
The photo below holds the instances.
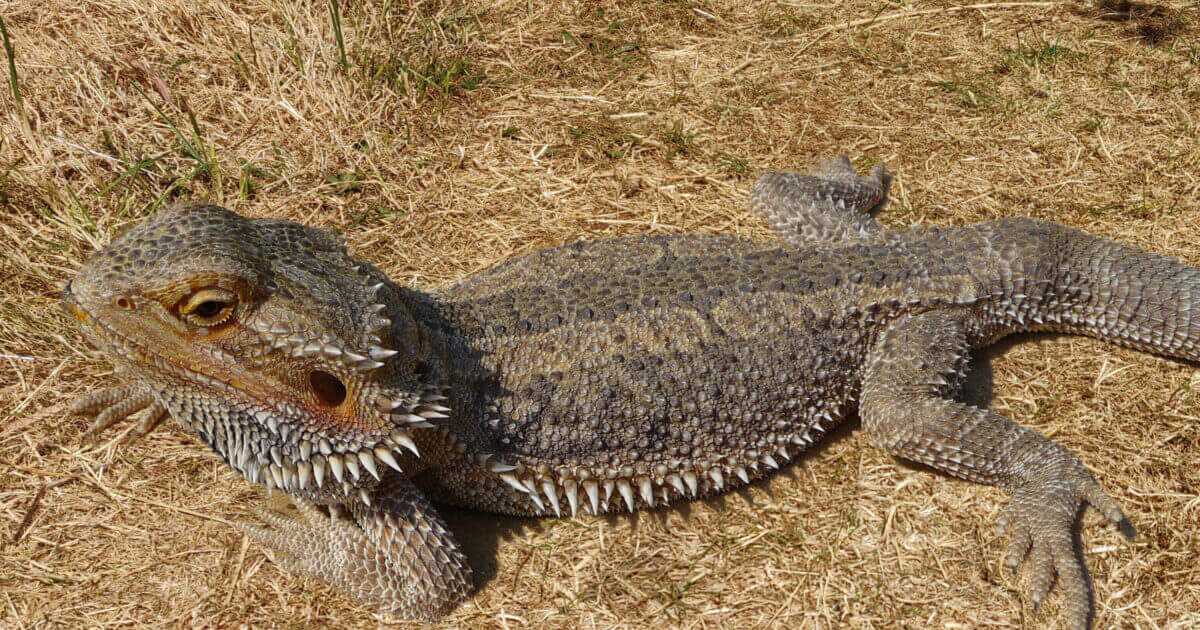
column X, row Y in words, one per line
column 785, row 22
column 11, row 54
column 1024, row 56
column 978, row 93
column 678, row 140
column 733, row 164
column 602, row 136
column 603, row 45
column 375, row 214
column 335, row 16
column 434, row 75
column 345, row 183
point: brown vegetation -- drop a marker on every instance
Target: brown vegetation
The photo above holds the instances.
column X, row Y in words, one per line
column 442, row 138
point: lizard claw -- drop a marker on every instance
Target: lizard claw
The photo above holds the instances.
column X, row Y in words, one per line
column 112, row 405
column 1040, row 520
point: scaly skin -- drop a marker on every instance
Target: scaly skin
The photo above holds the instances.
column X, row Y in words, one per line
column 609, row 375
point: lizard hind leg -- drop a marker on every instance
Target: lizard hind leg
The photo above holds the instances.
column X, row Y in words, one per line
column 830, row 203
column 905, row 412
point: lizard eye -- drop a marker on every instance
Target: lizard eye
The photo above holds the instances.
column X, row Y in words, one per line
column 208, row 307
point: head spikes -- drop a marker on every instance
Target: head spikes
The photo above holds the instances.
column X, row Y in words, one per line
column 363, row 331
column 400, row 437
column 385, row 455
column 379, row 353
column 352, row 468
column 388, row 404
column 374, row 291
column 415, row 410
column 367, row 459
column 299, row 343
column 310, row 380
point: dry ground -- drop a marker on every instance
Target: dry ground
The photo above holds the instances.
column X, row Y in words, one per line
column 448, row 137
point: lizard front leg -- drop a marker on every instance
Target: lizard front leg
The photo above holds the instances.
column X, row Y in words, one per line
column 395, row 554
column 114, row 404
column 828, row 204
column 904, row 411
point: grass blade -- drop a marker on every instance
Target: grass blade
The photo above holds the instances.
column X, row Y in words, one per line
column 335, row 14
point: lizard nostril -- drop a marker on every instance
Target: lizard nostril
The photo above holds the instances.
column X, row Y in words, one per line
column 327, row 387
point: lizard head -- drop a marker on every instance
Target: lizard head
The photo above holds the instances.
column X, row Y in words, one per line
column 266, row 338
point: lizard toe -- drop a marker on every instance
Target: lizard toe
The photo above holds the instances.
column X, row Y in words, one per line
column 1018, row 548
column 1072, row 581
column 1108, row 507
column 1041, row 578
column 154, row 415
column 89, row 404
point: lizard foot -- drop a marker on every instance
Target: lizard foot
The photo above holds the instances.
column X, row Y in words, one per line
column 312, row 544
column 1040, row 521
column 396, row 554
column 112, row 405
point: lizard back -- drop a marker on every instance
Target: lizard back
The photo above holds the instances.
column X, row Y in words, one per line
column 670, row 362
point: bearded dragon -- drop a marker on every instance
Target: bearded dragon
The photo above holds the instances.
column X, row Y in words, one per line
column 607, row 375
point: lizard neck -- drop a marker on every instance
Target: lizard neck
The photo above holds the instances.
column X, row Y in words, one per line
column 443, row 355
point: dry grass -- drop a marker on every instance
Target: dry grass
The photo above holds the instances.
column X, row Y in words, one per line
column 443, row 138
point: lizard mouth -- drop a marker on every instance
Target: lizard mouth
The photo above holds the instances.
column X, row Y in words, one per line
column 298, row 444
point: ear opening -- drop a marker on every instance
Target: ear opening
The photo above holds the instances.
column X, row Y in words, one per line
column 329, row 389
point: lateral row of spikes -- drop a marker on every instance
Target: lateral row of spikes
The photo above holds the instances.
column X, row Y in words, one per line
column 556, row 488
